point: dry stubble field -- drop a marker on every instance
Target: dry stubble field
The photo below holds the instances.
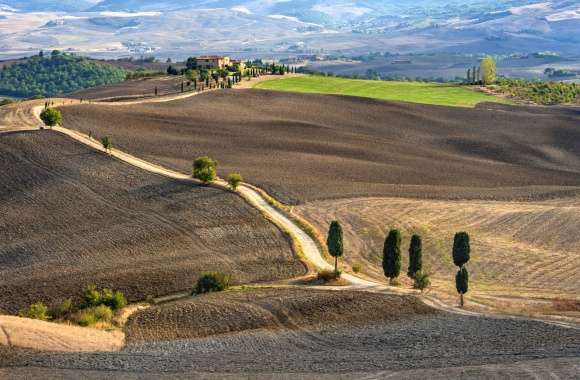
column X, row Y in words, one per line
column 72, row 216
column 520, row 250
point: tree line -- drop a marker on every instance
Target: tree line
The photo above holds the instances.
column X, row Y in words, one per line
column 391, row 262
column 56, row 73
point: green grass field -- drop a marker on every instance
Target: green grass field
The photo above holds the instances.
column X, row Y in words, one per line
column 415, row 92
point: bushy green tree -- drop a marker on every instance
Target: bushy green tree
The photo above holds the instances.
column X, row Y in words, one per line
column 51, row 117
column 234, row 179
column 335, row 243
column 488, row 70
column 114, row 300
column 415, row 256
column 205, row 169
column 392, row 255
column 92, row 296
column 212, row 282
column 462, row 283
column 191, row 63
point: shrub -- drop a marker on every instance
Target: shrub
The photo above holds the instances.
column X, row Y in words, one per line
column 234, row 180
column 92, row 315
column 212, row 282
column 118, row 301
column 115, row 300
column 394, row 282
column 328, row 275
column 35, row 311
column 205, row 169
column 356, row 267
column 92, row 296
column 4, row 102
column 107, row 143
column 64, row 309
column 422, row 281
column 102, row 313
column 86, row 318
column 51, row 117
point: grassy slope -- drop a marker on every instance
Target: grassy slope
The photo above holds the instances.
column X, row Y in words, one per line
column 415, row 92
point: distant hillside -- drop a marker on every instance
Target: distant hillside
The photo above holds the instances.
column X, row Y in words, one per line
column 174, row 28
column 48, row 5
column 55, row 74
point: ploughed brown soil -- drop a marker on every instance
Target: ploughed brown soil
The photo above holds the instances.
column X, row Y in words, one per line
column 562, row 368
column 302, row 332
column 271, row 309
column 302, row 147
column 132, row 88
column 71, row 216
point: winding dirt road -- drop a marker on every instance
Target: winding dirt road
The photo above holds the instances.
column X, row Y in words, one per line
column 25, row 116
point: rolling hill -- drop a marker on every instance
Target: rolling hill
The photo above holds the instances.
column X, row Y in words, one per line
column 177, row 28
column 72, row 217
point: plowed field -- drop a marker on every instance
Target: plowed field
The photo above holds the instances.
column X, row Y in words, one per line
column 303, row 147
column 71, row 217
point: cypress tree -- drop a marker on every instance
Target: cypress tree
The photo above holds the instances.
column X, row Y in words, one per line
column 415, row 256
column 462, row 283
column 461, row 249
column 392, row 255
column 334, row 243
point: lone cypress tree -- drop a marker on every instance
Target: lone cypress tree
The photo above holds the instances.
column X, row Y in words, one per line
column 392, row 255
column 415, row 256
column 334, row 243
column 462, row 283
column 461, row 250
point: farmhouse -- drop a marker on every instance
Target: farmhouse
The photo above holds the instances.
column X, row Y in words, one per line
column 212, row 62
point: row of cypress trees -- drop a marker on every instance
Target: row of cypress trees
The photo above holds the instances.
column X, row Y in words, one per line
column 392, row 257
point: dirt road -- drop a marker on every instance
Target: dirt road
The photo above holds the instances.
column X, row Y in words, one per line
column 25, row 116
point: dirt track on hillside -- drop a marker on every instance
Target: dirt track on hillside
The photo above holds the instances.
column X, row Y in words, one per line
column 72, row 217
column 302, row 147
